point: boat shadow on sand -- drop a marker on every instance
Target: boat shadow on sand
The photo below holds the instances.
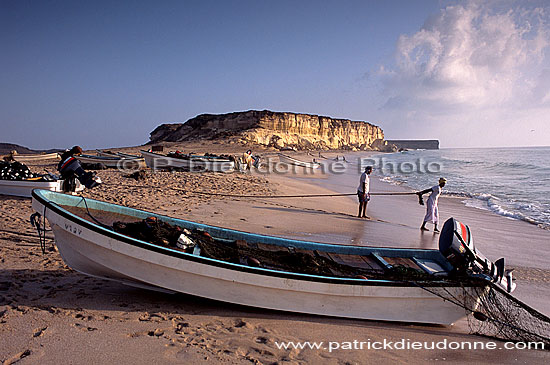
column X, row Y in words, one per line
column 68, row 293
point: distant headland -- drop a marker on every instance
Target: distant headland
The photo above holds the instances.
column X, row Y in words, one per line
column 270, row 130
column 283, row 130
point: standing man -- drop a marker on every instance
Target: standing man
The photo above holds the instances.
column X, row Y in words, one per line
column 363, row 192
column 432, row 212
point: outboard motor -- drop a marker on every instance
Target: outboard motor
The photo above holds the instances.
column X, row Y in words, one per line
column 457, row 245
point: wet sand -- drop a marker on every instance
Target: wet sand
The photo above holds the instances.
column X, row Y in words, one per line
column 52, row 314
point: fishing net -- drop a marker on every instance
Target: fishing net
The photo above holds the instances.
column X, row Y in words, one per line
column 497, row 314
column 18, row 171
column 150, row 230
column 295, row 260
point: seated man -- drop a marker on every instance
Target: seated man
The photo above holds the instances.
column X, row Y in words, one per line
column 69, row 168
column 250, row 160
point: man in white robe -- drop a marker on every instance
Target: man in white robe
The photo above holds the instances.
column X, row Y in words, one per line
column 432, row 211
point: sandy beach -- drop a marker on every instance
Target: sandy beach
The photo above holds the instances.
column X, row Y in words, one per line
column 52, row 314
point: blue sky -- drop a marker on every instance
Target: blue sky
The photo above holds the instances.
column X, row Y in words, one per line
column 106, row 73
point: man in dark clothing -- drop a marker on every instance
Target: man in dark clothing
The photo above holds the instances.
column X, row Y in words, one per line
column 363, row 192
column 69, row 168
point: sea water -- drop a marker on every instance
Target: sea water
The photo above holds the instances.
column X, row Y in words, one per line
column 512, row 182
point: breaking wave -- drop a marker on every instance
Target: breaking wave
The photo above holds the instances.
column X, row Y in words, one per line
column 510, row 182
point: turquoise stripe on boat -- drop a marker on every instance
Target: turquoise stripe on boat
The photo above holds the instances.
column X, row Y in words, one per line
column 230, row 234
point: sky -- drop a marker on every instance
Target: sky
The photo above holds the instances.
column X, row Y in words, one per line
column 106, row 73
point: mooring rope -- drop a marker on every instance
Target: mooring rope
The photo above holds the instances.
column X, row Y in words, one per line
column 199, row 192
column 40, row 228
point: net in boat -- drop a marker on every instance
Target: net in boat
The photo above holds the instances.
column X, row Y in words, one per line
column 494, row 312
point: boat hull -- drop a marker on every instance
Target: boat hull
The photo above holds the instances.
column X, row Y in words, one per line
column 161, row 162
column 292, row 161
column 114, row 162
column 24, row 188
column 95, row 251
column 116, row 154
column 33, row 158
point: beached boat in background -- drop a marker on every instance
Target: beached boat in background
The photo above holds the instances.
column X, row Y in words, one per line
column 192, row 163
column 292, row 161
column 116, row 154
column 113, row 161
column 35, row 157
column 95, row 249
column 24, row 188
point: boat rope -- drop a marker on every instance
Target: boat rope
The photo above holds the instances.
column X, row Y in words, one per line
column 198, row 192
column 291, row 196
column 91, row 216
column 40, row 228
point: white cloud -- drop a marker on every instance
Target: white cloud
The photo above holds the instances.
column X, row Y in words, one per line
column 472, row 60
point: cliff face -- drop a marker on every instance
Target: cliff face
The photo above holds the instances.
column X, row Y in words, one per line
column 279, row 130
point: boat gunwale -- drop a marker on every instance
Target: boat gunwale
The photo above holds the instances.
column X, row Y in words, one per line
column 117, row 154
column 191, row 157
column 107, row 158
column 36, row 156
column 57, row 208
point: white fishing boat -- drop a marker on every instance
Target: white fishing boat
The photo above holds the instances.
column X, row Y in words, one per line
column 192, row 163
column 116, row 154
column 24, row 188
column 292, row 161
column 90, row 246
column 35, row 157
column 112, row 161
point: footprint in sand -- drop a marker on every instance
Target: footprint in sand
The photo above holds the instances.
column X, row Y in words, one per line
column 85, row 328
column 262, row 340
column 17, row 357
column 241, row 324
column 39, row 332
column 179, row 327
column 83, row 317
column 156, row 333
column 144, row 317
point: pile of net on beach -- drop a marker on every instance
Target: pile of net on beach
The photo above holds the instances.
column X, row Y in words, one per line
column 19, row 171
column 494, row 312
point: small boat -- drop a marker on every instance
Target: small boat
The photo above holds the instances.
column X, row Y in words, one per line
column 361, row 282
column 292, row 161
column 24, row 188
column 35, row 157
column 112, row 161
column 157, row 161
column 116, row 154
